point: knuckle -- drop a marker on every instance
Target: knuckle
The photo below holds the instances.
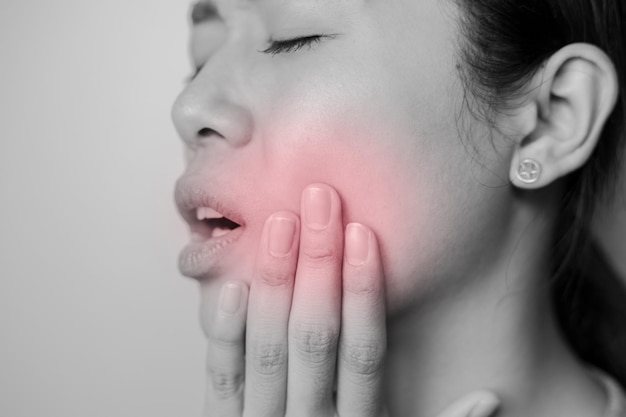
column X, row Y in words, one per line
column 363, row 359
column 362, row 287
column 270, row 359
column 225, row 384
column 319, row 255
column 315, row 343
column 224, row 340
column 274, row 276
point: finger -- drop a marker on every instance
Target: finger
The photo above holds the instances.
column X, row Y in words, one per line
column 225, row 355
column 315, row 316
column 268, row 317
column 362, row 343
column 476, row 404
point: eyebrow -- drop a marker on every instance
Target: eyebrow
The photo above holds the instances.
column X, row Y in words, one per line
column 203, row 11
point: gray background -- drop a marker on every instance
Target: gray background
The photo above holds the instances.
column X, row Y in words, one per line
column 95, row 320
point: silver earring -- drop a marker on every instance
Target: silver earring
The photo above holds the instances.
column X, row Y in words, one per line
column 528, row 171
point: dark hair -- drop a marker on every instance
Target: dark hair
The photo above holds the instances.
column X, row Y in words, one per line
column 504, row 44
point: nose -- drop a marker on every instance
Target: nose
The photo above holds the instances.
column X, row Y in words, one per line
column 211, row 106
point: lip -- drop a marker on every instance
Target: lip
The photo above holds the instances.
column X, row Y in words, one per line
column 189, row 196
column 203, row 255
column 202, row 259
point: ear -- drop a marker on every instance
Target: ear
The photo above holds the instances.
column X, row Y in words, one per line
column 569, row 102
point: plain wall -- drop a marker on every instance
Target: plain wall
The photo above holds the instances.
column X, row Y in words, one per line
column 95, row 319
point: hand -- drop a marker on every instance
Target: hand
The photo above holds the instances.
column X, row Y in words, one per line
column 313, row 317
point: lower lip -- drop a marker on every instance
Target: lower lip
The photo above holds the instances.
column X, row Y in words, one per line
column 201, row 258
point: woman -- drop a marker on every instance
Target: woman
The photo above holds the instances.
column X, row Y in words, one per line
column 458, row 146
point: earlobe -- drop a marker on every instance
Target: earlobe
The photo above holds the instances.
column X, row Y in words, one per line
column 578, row 89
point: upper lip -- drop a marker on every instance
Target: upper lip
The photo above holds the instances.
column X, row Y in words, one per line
column 189, row 196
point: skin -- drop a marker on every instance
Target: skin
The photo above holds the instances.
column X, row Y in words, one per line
column 376, row 118
column 295, row 355
column 353, row 125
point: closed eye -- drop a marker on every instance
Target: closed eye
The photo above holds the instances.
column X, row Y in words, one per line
column 293, row 45
column 278, row 47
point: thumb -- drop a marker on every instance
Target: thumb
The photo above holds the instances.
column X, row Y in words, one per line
column 475, row 404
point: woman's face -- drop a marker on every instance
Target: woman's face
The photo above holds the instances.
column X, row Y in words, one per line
column 371, row 104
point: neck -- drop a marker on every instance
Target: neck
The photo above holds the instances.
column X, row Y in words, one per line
column 497, row 332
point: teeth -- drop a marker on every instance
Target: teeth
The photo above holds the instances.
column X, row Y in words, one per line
column 207, row 213
column 217, row 232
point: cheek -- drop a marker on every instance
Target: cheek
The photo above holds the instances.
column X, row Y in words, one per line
column 431, row 211
column 397, row 161
column 387, row 180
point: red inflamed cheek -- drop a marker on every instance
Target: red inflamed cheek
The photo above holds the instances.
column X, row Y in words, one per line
column 382, row 182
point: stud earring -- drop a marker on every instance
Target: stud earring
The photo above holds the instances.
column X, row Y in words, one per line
column 528, row 171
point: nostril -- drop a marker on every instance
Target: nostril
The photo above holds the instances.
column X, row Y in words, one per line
column 205, row 132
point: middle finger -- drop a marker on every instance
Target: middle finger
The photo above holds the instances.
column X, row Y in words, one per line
column 314, row 323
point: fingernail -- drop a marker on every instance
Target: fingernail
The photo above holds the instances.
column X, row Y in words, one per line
column 281, row 234
column 485, row 407
column 317, row 208
column 230, row 298
column 357, row 244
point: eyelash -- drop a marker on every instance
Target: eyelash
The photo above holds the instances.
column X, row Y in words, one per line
column 293, row 45
column 279, row 47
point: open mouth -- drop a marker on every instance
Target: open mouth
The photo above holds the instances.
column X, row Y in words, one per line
column 213, row 224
